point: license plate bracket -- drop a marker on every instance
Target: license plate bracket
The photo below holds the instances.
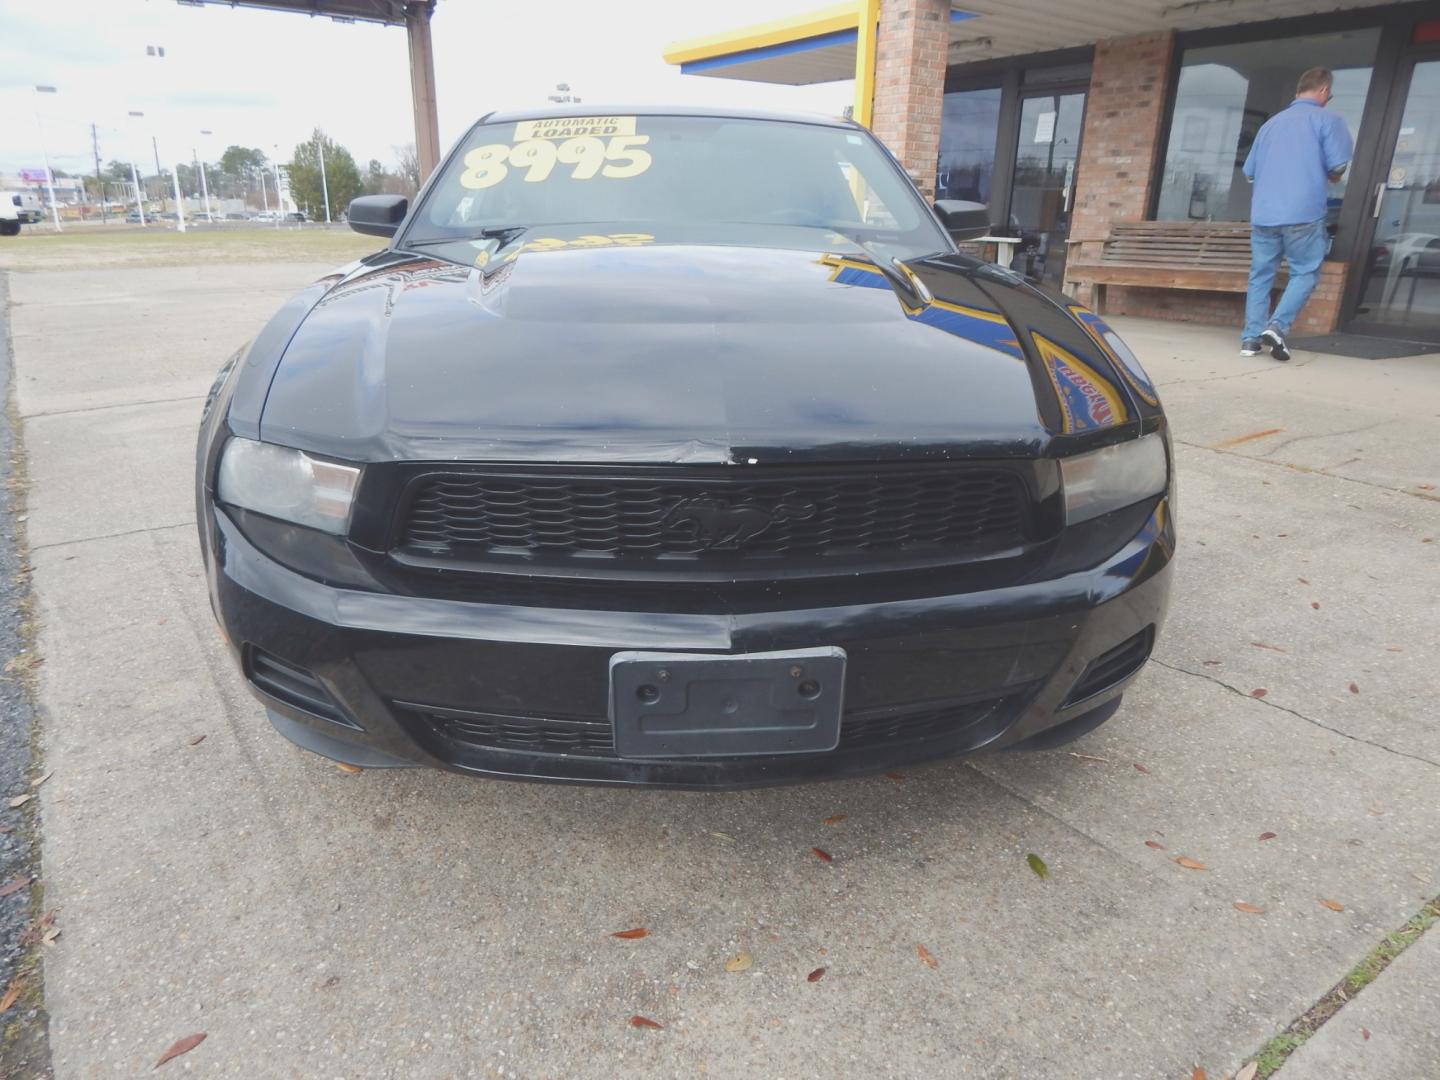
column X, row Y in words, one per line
column 670, row 705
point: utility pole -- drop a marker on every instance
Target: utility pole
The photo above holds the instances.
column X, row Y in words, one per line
column 95, row 143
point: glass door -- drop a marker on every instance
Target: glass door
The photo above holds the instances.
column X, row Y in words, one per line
column 1042, row 189
column 1399, row 294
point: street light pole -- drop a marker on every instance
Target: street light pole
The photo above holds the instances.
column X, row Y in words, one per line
column 324, row 185
column 135, row 175
column 204, row 185
column 49, row 176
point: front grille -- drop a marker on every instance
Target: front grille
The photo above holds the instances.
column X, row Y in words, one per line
column 594, row 738
column 734, row 516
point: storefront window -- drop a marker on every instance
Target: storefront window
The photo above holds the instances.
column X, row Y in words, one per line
column 967, row 144
column 1226, row 92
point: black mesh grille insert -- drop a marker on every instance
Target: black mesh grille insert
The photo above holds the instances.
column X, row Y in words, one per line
column 294, row 686
column 1113, row 666
column 593, row 738
column 741, row 516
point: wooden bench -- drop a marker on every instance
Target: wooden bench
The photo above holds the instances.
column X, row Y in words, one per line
column 1213, row 256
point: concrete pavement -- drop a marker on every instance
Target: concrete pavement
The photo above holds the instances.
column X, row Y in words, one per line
column 314, row 923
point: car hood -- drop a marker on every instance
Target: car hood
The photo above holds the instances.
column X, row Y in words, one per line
column 684, row 353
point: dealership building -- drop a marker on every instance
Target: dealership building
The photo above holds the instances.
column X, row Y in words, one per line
column 1108, row 135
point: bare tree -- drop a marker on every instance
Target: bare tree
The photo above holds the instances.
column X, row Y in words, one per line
column 409, row 167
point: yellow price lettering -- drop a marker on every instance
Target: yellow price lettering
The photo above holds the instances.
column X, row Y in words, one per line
column 618, row 159
column 485, row 166
column 586, row 153
column 622, row 147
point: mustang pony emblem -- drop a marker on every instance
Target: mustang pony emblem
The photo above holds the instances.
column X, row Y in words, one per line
column 718, row 524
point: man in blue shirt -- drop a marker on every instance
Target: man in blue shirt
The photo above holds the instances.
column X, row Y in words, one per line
column 1297, row 154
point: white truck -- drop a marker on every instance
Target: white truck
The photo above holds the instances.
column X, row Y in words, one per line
column 28, row 206
column 9, row 218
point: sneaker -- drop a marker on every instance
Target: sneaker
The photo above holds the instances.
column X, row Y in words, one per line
column 1250, row 347
column 1276, row 341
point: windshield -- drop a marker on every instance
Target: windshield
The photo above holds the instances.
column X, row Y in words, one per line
column 681, row 179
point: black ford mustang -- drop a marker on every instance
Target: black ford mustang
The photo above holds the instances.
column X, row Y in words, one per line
column 681, row 448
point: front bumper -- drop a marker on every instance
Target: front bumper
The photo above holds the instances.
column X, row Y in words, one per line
column 517, row 692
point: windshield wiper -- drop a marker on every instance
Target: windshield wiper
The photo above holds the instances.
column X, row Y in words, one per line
column 504, row 234
column 894, row 270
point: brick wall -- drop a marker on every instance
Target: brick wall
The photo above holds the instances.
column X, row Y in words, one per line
column 910, row 58
column 1123, row 113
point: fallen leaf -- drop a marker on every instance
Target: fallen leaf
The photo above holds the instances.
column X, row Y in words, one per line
column 1198, row 1074
column 835, row 820
column 631, row 935
column 50, row 936
column 1264, row 645
column 1331, row 904
column 823, row 856
column 723, row 836
column 1189, row 863
column 1426, row 487
column 40, row 780
column 1258, row 693
column 1303, row 581
column 20, row 800
column 14, row 886
column 1090, row 757
column 1210, row 663
column 1038, row 865
column 1251, row 437
column 739, row 962
column 1267, row 836
column 7, row 829
column 1315, row 604
column 816, row 975
column 645, row 1022
column 1364, row 1034
column 925, row 957
column 1249, row 909
column 1248, row 1072
column 897, row 777
column 197, row 740
column 1140, row 768
column 12, row 992
column 183, row 1046
column 1354, row 689
column 1155, row 844
column 346, row 767
column 1393, row 648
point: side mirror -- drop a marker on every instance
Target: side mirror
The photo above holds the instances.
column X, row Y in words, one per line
column 377, row 215
column 963, row 220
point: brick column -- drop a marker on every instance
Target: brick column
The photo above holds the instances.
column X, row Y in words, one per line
column 1122, row 132
column 910, row 83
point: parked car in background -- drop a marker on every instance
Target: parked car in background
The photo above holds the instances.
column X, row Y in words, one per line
column 295, row 215
column 134, row 218
column 9, row 218
column 682, row 448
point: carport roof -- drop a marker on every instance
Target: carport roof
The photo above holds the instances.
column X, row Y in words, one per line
column 390, row 12
column 819, row 46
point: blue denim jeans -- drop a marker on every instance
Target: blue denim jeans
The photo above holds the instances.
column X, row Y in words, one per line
column 1304, row 248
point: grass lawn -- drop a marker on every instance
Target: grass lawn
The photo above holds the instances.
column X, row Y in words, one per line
column 109, row 247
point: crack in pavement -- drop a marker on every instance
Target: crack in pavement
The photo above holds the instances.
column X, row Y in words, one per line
column 1326, row 435
column 1291, row 366
column 1286, row 709
column 190, row 524
column 1424, row 496
column 113, row 405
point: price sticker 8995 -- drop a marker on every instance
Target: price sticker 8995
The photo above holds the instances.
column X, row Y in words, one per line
column 588, row 156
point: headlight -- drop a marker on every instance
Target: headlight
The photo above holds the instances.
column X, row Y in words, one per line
column 1115, row 477
column 288, row 484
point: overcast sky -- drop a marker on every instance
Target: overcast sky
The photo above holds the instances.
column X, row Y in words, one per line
column 267, row 79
